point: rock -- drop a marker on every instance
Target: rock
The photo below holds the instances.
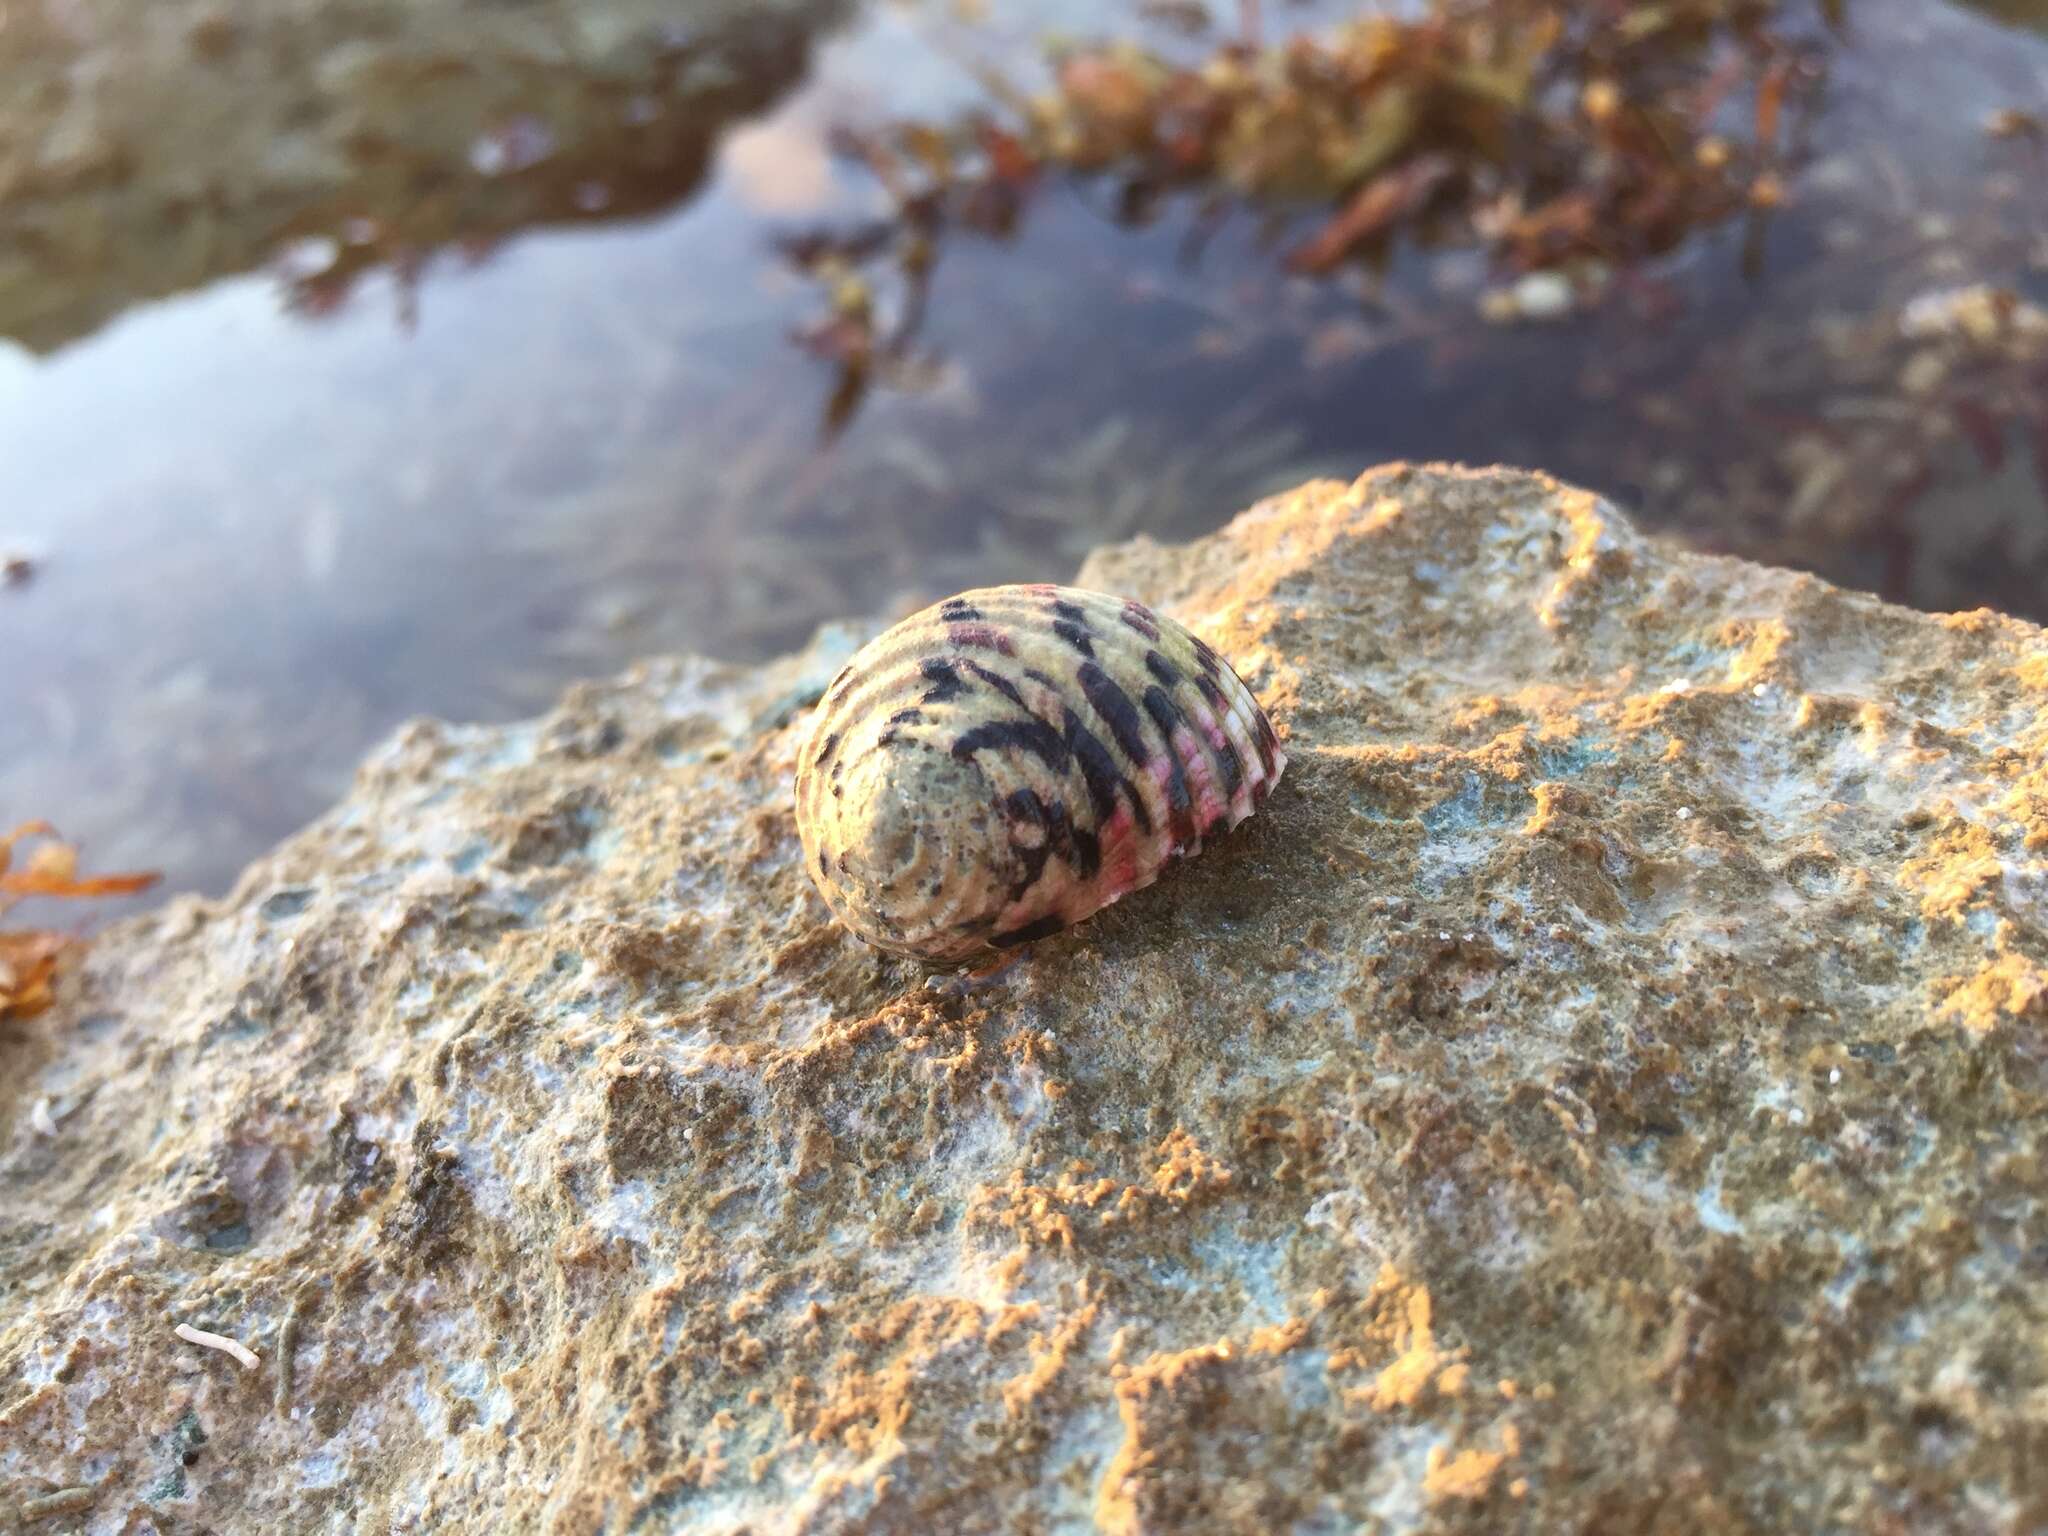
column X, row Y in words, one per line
column 1604, row 1092
column 208, row 142
column 1543, row 297
column 1988, row 317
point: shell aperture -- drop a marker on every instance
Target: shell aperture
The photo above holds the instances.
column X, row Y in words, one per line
column 1009, row 761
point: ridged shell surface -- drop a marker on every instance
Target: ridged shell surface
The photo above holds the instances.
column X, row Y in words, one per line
column 1015, row 758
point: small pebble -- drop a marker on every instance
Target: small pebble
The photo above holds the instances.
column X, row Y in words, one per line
column 1497, row 307
column 65, row 1501
column 297, row 260
column 1543, row 296
column 1924, row 373
column 513, row 145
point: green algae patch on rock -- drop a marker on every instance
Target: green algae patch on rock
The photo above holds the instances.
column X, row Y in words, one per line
column 1601, row 1092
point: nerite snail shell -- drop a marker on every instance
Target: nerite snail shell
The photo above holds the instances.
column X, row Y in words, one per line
column 1015, row 758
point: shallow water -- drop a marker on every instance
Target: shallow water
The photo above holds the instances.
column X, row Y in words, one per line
column 269, row 513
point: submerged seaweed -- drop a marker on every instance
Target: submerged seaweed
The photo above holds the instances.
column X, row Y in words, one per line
column 1558, row 138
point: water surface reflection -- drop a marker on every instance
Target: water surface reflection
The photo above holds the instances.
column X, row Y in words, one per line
column 555, row 420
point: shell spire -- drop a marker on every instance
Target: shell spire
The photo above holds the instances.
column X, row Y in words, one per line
column 1009, row 761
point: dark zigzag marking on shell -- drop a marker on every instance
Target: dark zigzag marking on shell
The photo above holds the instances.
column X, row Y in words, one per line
column 1015, row 608
column 1027, row 735
column 944, row 678
column 983, row 636
column 1166, row 716
column 1117, row 711
column 1075, row 635
column 1106, row 784
column 1226, row 754
column 1079, row 714
column 1024, row 807
column 997, row 681
column 1224, row 764
column 917, row 638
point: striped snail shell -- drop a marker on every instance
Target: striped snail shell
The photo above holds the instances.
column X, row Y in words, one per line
column 1015, row 758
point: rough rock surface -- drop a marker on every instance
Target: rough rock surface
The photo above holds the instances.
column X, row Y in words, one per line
column 1603, row 1093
